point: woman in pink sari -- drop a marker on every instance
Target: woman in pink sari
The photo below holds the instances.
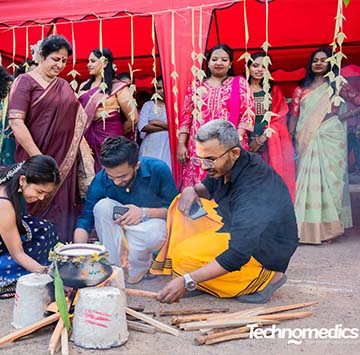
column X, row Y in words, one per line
column 46, row 118
column 114, row 112
column 225, row 96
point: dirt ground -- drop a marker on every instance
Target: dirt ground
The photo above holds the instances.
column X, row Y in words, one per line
column 328, row 274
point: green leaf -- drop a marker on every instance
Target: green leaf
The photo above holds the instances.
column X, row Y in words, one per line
column 60, row 298
column 74, row 84
column 268, row 132
column 201, row 75
column 246, row 56
column 174, row 75
column 346, row 2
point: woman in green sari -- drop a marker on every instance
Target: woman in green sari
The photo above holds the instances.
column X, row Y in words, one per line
column 322, row 202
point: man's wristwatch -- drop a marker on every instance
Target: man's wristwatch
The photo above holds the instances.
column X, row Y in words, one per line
column 190, row 284
column 144, row 216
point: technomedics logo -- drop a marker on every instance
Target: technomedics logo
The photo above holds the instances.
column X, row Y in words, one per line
column 297, row 335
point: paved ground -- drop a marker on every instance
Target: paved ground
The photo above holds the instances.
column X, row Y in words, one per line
column 326, row 273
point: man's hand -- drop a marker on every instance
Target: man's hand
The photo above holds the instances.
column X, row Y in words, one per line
column 133, row 216
column 188, row 197
column 80, row 236
column 173, row 291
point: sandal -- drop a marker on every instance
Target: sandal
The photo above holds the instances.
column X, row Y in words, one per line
column 8, row 291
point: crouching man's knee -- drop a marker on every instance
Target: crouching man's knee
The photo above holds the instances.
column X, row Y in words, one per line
column 104, row 208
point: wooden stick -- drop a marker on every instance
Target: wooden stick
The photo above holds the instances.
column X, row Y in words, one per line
column 187, row 312
column 286, row 308
column 55, row 336
column 140, row 327
column 228, row 337
column 29, row 329
column 153, row 322
column 52, row 307
column 270, row 310
column 140, row 293
column 64, row 342
column 285, row 316
column 200, row 340
column 232, row 322
column 245, row 313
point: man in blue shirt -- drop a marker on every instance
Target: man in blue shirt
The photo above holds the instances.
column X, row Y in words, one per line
column 145, row 187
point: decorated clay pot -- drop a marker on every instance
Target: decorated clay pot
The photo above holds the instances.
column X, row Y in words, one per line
column 81, row 264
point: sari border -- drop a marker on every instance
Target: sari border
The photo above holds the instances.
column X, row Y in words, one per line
column 95, row 100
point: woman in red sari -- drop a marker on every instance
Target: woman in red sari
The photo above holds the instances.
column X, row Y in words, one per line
column 114, row 112
column 276, row 150
column 47, row 118
column 225, row 96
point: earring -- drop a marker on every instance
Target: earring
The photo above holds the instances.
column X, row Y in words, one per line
column 19, row 189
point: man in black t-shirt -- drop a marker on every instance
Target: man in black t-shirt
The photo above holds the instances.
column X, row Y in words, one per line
column 242, row 247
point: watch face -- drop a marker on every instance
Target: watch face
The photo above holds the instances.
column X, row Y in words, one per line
column 190, row 285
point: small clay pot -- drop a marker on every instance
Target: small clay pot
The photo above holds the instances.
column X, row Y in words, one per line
column 82, row 265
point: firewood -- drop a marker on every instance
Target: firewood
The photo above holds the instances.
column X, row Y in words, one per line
column 285, row 316
column 238, row 321
column 219, row 333
column 200, row 340
column 140, row 293
column 55, row 337
column 141, row 327
column 29, row 329
column 228, row 337
column 198, row 317
column 187, row 312
column 289, row 307
column 64, row 342
column 223, row 323
column 152, row 321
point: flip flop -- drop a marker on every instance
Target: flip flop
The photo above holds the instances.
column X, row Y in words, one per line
column 7, row 291
column 264, row 295
column 6, row 294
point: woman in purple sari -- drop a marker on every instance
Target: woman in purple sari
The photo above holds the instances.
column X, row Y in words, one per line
column 113, row 112
column 46, row 118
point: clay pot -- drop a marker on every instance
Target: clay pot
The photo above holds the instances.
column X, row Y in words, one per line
column 82, row 265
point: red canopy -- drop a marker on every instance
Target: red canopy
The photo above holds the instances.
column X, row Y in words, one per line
column 295, row 29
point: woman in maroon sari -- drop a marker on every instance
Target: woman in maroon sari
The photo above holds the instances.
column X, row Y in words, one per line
column 47, row 118
column 114, row 112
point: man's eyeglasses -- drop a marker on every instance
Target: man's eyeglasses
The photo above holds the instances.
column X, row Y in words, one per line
column 209, row 163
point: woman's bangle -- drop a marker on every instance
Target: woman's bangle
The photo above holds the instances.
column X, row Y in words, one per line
column 258, row 141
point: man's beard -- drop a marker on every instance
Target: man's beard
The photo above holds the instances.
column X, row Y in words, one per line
column 131, row 181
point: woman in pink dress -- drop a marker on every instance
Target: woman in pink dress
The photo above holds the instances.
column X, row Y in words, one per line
column 225, row 96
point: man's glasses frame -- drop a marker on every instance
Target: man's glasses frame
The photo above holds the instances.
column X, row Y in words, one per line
column 210, row 163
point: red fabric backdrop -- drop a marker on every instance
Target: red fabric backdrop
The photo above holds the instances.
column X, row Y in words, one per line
column 295, row 29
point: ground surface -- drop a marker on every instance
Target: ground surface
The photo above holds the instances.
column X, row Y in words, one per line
column 326, row 273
